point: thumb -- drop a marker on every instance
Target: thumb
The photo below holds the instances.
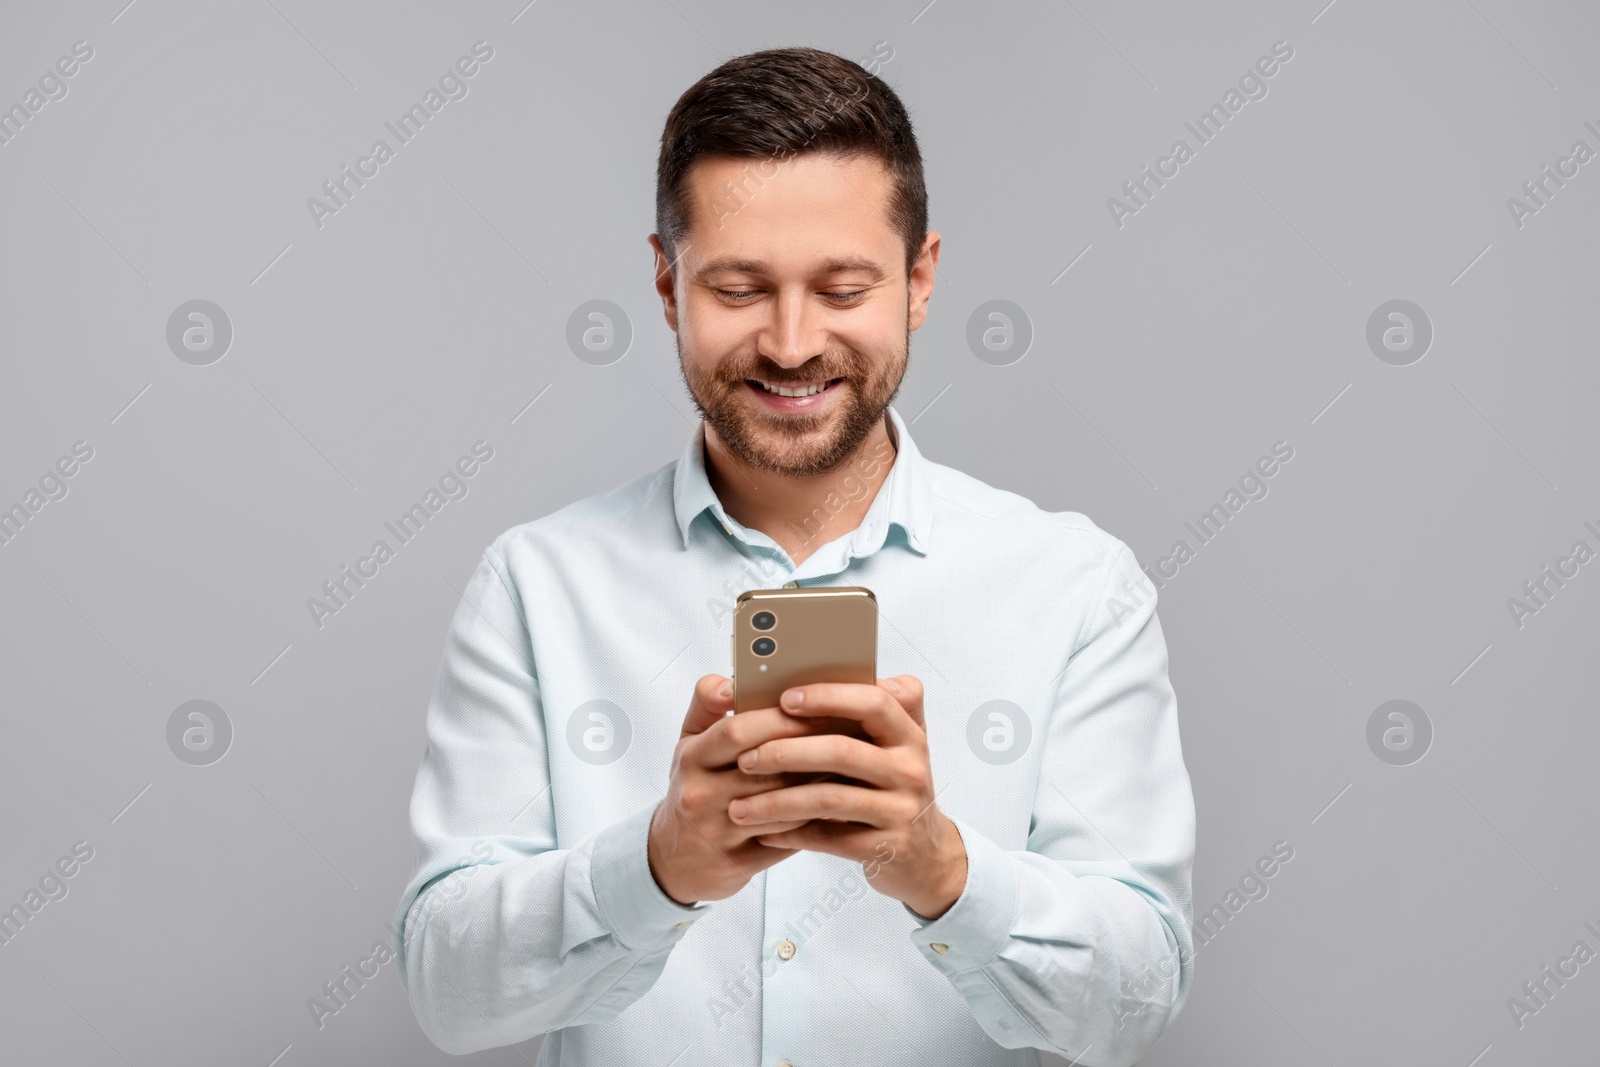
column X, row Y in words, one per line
column 713, row 698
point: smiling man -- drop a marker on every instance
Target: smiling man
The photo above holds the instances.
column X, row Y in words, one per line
column 999, row 863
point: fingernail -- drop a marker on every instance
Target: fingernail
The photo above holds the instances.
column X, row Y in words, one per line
column 793, row 698
column 747, row 760
column 726, row 690
column 893, row 686
column 738, row 809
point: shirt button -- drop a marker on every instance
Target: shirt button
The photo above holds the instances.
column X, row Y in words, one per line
column 786, row 950
column 939, row 946
column 684, row 924
column 791, row 585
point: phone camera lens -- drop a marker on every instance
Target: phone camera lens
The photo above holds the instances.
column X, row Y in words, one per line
column 764, row 646
column 764, row 620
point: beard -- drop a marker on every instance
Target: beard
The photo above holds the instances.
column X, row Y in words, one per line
column 799, row 445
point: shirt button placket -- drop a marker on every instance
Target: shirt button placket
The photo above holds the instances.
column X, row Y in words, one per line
column 786, row 1014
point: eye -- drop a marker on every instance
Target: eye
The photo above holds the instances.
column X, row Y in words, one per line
column 847, row 299
column 739, row 296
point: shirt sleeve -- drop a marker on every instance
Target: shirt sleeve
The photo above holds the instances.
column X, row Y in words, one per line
column 502, row 936
column 1081, row 945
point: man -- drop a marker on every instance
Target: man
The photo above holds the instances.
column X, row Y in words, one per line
column 1007, row 868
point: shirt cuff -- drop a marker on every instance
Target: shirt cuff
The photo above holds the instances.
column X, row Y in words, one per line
column 972, row 933
column 631, row 903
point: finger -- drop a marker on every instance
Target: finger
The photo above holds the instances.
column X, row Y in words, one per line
column 746, row 834
column 712, row 700
column 724, row 739
column 835, row 753
column 907, row 691
column 851, row 841
column 879, row 713
column 737, row 783
column 816, row 800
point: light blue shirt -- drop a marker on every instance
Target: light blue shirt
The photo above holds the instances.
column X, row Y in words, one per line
column 1053, row 733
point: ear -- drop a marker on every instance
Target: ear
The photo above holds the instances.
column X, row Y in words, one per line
column 921, row 280
column 665, row 284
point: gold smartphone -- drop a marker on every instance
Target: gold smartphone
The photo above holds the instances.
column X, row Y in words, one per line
column 784, row 638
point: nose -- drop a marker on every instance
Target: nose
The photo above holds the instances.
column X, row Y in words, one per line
column 794, row 331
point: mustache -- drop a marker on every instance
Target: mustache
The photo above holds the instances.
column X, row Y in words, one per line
column 824, row 370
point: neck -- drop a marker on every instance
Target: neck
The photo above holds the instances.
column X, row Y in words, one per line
column 801, row 513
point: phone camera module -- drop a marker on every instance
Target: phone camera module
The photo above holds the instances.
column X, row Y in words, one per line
column 763, row 620
column 764, row 646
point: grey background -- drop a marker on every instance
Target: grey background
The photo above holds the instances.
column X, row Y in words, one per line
column 369, row 354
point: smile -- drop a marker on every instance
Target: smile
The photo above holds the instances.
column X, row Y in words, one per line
column 810, row 389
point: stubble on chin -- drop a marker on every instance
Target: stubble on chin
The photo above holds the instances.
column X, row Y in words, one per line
column 797, row 447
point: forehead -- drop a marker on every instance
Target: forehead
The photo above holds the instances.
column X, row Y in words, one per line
column 812, row 207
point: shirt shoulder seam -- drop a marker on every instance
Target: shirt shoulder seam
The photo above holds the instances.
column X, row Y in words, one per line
column 663, row 478
column 1091, row 529
column 1105, row 580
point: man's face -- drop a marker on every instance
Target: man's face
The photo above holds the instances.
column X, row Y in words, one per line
column 790, row 277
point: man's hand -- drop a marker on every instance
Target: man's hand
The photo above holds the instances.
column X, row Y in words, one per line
column 696, row 853
column 893, row 804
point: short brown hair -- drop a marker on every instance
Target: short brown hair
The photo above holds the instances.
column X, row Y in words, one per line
column 780, row 103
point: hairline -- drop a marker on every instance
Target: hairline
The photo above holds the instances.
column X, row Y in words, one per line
column 682, row 208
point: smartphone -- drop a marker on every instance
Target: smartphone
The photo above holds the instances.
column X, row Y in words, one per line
column 784, row 638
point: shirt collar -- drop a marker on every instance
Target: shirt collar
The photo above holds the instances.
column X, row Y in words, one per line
column 905, row 499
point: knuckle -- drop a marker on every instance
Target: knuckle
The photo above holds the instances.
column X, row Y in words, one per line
column 916, row 774
column 693, row 795
column 681, row 759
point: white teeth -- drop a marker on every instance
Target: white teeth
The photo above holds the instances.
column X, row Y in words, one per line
column 805, row 390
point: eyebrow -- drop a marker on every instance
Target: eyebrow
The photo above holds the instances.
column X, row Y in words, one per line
column 734, row 265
